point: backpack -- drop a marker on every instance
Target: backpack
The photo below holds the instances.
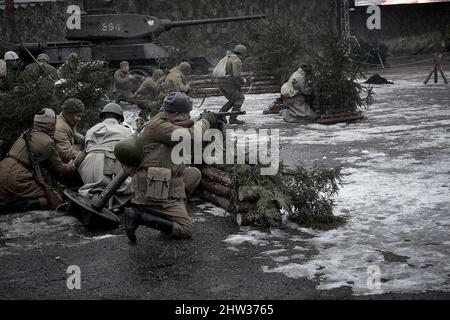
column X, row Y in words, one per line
column 220, row 71
column 287, row 90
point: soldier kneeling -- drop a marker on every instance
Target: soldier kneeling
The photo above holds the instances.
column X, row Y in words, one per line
column 160, row 187
column 23, row 183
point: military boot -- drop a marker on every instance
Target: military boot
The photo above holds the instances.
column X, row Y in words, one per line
column 226, row 107
column 22, row 205
column 132, row 222
column 234, row 120
column 151, row 221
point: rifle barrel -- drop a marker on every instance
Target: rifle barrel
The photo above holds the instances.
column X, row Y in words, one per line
column 239, row 113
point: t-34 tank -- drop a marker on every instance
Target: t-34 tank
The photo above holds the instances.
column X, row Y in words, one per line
column 116, row 37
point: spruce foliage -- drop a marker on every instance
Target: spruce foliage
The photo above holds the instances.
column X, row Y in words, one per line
column 91, row 83
column 306, row 196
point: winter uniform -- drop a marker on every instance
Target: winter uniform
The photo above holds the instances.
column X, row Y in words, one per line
column 176, row 80
column 42, row 67
column 148, row 95
column 231, row 85
column 69, row 69
column 10, row 70
column 294, row 93
column 123, row 84
column 17, row 184
column 100, row 165
column 160, row 186
column 68, row 140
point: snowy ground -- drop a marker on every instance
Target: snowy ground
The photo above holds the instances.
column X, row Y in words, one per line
column 396, row 192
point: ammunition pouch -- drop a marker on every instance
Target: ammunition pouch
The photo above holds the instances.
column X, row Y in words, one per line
column 158, row 183
column 152, row 184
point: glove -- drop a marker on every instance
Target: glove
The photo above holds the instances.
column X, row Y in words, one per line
column 210, row 117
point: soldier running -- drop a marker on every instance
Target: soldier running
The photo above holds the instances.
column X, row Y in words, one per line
column 231, row 85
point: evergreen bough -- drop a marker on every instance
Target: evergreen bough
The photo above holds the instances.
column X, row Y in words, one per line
column 91, row 83
column 306, row 196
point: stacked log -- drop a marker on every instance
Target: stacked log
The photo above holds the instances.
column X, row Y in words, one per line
column 340, row 117
column 206, row 85
column 275, row 107
column 216, row 187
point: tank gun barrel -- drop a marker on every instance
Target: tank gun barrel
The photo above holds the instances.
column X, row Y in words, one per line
column 125, row 27
column 169, row 24
column 116, row 37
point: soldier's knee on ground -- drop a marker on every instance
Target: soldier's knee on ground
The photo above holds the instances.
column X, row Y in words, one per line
column 191, row 178
column 182, row 229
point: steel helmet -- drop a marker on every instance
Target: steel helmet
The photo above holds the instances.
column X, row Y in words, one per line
column 240, row 49
column 112, row 108
column 157, row 74
column 10, row 55
column 185, row 67
column 129, row 151
column 43, row 57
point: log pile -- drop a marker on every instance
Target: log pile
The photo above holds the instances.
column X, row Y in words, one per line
column 340, row 117
column 216, row 187
column 206, row 85
column 275, row 107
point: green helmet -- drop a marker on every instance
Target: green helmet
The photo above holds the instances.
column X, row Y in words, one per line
column 43, row 57
column 185, row 67
column 240, row 49
column 157, row 74
column 112, row 108
column 72, row 59
column 130, row 151
column 178, row 102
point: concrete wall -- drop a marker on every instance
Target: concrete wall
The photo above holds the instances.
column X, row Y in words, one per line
column 407, row 29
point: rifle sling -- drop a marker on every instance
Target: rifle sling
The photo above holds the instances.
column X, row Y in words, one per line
column 33, row 160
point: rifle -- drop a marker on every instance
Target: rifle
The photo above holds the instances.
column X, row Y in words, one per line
column 250, row 80
column 221, row 116
column 53, row 198
column 232, row 113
